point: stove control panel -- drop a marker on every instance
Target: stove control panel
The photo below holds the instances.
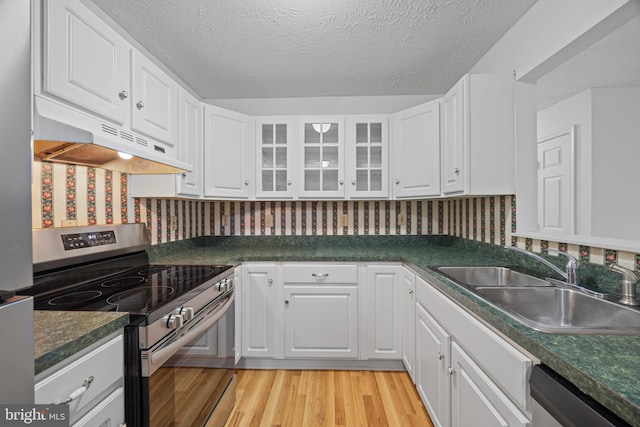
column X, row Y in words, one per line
column 88, row 240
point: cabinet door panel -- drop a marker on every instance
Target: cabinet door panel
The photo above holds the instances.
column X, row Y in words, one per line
column 416, row 150
column 367, row 164
column 475, row 399
column 155, row 101
column 321, row 321
column 226, row 154
column 432, row 360
column 321, row 158
column 409, row 322
column 190, row 144
column 258, row 311
column 384, row 322
column 85, row 62
column 275, row 158
column 452, row 137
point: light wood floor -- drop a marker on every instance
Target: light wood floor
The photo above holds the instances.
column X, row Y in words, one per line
column 326, row 398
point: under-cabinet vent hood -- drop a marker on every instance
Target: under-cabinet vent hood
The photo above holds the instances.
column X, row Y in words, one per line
column 68, row 136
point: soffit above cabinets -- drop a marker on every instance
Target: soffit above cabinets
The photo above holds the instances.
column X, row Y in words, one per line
column 294, row 48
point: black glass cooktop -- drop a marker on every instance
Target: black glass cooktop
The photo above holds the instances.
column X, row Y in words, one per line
column 138, row 290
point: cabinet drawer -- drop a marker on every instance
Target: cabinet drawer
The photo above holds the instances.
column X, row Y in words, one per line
column 507, row 366
column 321, row 274
column 109, row 412
column 104, row 364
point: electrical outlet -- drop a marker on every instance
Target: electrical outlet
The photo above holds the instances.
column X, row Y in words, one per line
column 174, row 222
column 343, row 220
column 69, row 223
column 268, row 220
column 225, row 220
column 402, row 219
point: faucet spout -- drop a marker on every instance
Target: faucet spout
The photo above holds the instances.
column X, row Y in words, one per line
column 569, row 275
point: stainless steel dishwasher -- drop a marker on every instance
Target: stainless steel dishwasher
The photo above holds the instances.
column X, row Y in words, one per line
column 565, row 403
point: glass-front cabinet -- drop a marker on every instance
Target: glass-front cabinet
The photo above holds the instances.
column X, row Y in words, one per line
column 367, row 157
column 274, row 158
column 321, row 157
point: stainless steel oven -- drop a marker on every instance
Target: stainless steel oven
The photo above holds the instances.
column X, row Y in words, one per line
column 179, row 345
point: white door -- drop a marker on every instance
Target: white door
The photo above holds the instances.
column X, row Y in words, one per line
column 384, row 305
column 321, row 321
column 190, row 144
column 409, row 322
column 433, row 346
column 416, row 151
column 555, row 183
column 226, row 154
column 258, row 310
column 321, row 158
column 86, row 62
column 475, row 399
column 154, row 102
column 367, row 157
column 452, row 139
column 275, row 158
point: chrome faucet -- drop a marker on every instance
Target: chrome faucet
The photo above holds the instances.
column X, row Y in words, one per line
column 569, row 274
column 630, row 280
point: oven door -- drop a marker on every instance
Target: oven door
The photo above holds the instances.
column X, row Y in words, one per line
column 191, row 382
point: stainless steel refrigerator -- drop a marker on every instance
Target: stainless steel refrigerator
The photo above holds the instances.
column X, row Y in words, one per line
column 16, row 313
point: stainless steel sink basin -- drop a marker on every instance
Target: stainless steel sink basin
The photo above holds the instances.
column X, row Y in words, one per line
column 562, row 310
column 490, row 276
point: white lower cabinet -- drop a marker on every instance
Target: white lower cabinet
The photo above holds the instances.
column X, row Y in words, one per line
column 466, row 374
column 409, row 322
column 99, row 368
column 258, row 300
column 383, row 323
column 321, row 321
column 433, row 345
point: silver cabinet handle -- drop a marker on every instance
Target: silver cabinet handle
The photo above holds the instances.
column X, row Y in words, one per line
column 440, row 356
column 123, row 95
column 140, row 105
column 320, row 275
column 397, row 181
column 184, row 175
column 123, row 425
column 451, row 371
column 456, row 171
column 78, row 392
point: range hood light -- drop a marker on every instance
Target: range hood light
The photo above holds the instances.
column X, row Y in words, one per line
column 125, row 156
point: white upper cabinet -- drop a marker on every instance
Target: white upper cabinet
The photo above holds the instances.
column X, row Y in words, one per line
column 478, row 142
column 86, row 62
column 275, row 158
column 321, row 158
column 154, row 102
column 416, row 151
column 367, row 157
column 190, row 144
column 226, row 159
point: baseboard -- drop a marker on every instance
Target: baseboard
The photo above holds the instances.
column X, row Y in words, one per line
column 334, row 364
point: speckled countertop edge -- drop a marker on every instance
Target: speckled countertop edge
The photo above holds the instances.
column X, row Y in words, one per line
column 61, row 334
column 604, row 367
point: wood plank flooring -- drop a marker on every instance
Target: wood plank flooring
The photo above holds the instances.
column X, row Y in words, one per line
column 326, row 398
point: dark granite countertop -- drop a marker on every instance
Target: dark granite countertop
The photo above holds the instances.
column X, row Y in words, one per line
column 60, row 334
column 604, row 367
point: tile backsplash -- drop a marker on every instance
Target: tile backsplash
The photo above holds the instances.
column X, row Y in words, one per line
column 88, row 196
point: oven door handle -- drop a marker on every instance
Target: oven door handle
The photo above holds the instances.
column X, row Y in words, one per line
column 154, row 358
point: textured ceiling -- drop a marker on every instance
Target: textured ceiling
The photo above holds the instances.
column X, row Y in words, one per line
column 293, row 48
column 613, row 61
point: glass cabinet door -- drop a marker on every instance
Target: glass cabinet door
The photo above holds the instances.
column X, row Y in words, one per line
column 367, row 147
column 274, row 158
column 322, row 173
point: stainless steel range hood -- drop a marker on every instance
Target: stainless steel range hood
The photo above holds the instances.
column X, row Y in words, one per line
column 65, row 135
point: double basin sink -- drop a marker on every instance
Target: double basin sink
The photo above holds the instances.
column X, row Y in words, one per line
column 545, row 305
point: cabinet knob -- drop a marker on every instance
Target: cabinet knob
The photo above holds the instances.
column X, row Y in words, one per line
column 456, row 171
column 440, row 356
column 184, row 175
column 140, row 105
column 289, row 182
column 341, row 182
column 451, row 371
column 410, row 291
column 397, row 181
column 270, row 281
column 286, row 302
column 246, row 182
column 123, row 95
column 353, row 182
